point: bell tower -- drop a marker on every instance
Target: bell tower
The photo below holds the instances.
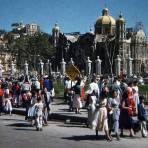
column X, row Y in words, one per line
column 55, row 34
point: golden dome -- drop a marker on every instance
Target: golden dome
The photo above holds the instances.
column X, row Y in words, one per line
column 105, row 19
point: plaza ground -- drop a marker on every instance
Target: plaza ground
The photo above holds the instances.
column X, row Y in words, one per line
column 15, row 132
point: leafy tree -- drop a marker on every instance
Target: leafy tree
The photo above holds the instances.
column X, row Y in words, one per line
column 31, row 48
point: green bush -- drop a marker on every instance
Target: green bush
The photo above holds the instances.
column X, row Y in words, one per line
column 143, row 90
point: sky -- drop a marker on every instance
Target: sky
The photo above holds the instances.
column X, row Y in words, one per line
column 71, row 15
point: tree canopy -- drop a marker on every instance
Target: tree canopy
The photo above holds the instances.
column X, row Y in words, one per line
column 32, row 47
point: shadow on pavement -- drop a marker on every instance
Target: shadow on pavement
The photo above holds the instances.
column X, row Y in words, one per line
column 72, row 125
column 6, row 119
column 24, row 129
column 86, row 137
column 20, row 125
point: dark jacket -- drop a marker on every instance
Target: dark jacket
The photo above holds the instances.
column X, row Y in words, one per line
column 141, row 113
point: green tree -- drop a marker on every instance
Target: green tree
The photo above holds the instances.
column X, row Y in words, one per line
column 31, row 48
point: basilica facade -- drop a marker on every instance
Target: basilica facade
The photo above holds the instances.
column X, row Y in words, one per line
column 109, row 39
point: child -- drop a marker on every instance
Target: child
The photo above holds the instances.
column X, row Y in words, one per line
column 39, row 114
column 8, row 105
column 142, row 116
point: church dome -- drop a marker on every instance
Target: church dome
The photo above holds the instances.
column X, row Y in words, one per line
column 105, row 24
column 105, row 19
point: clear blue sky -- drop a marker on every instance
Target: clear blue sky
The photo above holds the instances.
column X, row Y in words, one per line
column 71, row 15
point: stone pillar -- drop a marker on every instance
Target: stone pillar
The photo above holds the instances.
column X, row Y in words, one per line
column 12, row 68
column 63, row 67
column 88, row 66
column 98, row 66
column 71, row 61
column 118, row 65
column 48, row 68
column 41, row 68
column 129, row 66
column 26, row 68
column 1, row 70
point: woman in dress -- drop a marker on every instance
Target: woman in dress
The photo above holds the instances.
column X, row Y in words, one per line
column 77, row 104
column 114, row 113
column 127, row 111
column 102, row 124
column 91, row 107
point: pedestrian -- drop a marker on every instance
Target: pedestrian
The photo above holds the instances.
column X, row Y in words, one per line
column 91, row 107
column 47, row 101
column 39, row 114
column 127, row 111
column 142, row 117
column 8, row 104
column 77, row 104
column 114, row 113
column 1, row 99
column 102, row 124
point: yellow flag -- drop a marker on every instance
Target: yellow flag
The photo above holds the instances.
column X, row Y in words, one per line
column 72, row 72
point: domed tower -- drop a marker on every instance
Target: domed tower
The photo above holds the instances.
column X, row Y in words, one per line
column 105, row 24
column 122, row 47
column 120, row 35
column 55, row 34
column 120, row 28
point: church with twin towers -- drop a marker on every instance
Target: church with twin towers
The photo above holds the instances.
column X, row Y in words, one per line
column 110, row 41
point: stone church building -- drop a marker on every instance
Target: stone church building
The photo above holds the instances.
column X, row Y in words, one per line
column 109, row 39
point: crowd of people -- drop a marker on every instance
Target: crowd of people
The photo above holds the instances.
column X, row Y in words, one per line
column 112, row 104
column 34, row 94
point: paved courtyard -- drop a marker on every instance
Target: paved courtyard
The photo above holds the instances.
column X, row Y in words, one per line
column 15, row 132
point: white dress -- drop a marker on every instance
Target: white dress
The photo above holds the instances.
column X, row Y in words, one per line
column 91, row 109
column 100, row 121
column 77, row 101
column 136, row 96
column 8, row 105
